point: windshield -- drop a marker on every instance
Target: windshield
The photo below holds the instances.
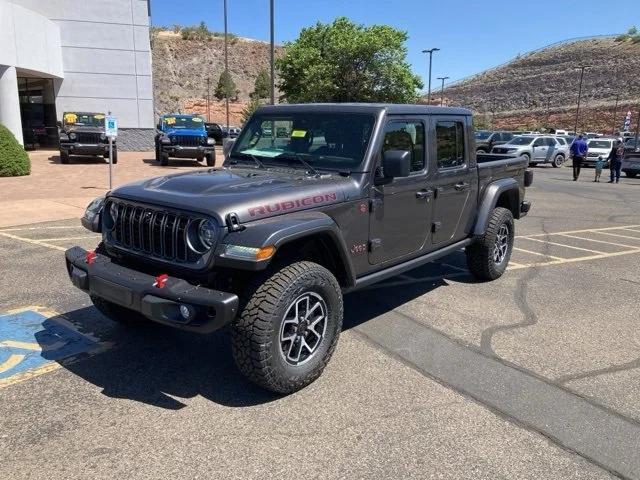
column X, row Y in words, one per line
column 181, row 122
column 83, row 119
column 599, row 144
column 482, row 135
column 331, row 141
column 520, row 141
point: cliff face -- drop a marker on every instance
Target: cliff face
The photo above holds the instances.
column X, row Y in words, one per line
column 541, row 88
column 181, row 69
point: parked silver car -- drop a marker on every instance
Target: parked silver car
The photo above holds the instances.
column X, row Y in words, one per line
column 538, row 149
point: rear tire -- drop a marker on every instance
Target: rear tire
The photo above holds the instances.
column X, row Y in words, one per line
column 288, row 327
column 630, row 174
column 558, row 161
column 117, row 313
column 489, row 256
column 64, row 157
column 211, row 159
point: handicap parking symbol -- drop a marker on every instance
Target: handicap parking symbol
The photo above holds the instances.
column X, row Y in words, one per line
column 33, row 342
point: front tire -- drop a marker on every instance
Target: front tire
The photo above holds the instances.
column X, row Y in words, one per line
column 64, row 157
column 288, row 326
column 489, row 256
column 528, row 157
column 558, row 161
column 164, row 158
column 630, row 174
column 211, row 159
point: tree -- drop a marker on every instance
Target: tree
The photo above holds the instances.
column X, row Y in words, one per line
column 345, row 62
column 251, row 107
column 262, row 87
column 226, row 86
column 14, row 161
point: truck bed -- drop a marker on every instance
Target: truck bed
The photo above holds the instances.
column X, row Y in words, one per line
column 495, row 166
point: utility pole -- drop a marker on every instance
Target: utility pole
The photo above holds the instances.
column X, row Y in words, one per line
column 615, row 112
column 208, row 99
column 430, row 52
column 582, row 69
column 226, row 61
column 273, row 53
column 442, row 89
column 637, row 129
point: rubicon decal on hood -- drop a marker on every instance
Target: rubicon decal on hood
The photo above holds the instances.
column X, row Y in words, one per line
column 296, row 204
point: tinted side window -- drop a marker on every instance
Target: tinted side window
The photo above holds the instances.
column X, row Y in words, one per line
column 450, row 144
column 538, row 142
column 408, row 136
column 507, row 136
column 551, row 142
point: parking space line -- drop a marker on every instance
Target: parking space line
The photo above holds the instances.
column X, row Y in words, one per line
column 579, row 259
column 537, row 253
column 578, row 231
column 599, row 241
column 52, row 227
column 563, row 245
column 618, row 235
column 33, row 242
column 631, row 229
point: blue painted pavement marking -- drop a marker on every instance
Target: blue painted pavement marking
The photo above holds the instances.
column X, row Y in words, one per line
column 30, row 340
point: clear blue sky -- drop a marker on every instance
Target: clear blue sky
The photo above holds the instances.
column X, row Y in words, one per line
column 472, row 35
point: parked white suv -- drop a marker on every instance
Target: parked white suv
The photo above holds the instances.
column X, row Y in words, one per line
column 598, row 147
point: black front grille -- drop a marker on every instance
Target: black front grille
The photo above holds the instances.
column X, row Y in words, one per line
column 186, row 140
column 88, row 137
column 151, row 231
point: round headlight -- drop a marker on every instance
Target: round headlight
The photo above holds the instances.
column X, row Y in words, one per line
column 207, row 233
column 113, row 212
column 72, row 136
column 103, row 137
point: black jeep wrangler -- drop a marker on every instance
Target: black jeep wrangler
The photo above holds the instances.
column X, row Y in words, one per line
column 82, row 133
column 270, row 242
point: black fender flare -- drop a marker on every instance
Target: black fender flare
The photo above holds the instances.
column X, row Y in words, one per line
column 490, row 199
column 279, row 231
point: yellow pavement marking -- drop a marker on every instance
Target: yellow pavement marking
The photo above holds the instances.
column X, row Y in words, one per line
column 21, row 377
column 600, row 241
column 537, row 253
column 11, row 362
column 52, row 227
column 617, row 235
column 578, row 231
column 563, row 245
column 33, row 242
column 22, row 345
column 71, row 238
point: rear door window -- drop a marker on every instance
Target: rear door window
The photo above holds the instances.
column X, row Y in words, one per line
column 450, row 144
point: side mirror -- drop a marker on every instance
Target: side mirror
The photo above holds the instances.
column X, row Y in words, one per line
column 396, row 163
column 227, row 145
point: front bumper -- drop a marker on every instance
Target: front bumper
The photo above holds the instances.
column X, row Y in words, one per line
column 210, row 309
column 86, row 148
column 178, row 151
column 591, row 162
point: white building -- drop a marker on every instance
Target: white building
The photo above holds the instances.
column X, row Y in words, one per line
column 75, row 55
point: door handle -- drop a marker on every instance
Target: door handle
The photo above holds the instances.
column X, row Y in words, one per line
column 461, row 186
column 424, row 194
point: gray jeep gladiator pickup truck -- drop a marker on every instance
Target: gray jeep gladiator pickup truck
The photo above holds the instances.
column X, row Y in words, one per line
column 269, row 242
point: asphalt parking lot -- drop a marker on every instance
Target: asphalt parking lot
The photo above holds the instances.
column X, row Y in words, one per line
column 535, row 375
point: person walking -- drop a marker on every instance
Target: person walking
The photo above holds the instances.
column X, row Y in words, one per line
column 599, row 165
column 579, row 149
column 615, row 161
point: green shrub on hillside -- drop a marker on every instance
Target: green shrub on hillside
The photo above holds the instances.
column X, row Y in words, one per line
column 14, row 161
column 632, row 35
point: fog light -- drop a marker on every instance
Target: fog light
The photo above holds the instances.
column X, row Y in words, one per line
column 186, row 312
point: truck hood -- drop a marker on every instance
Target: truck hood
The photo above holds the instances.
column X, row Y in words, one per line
column 250, row 193
column 190, row 132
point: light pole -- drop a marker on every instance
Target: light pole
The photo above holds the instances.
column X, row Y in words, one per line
column 273, row 53
column 226, row 62
column 582, row 68
column 430, row 52
column 442, row 89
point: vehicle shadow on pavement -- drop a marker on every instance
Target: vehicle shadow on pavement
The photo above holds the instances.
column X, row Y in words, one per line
column 158, row 365
column 79, row 159
column 152, row 364
column 174, row 163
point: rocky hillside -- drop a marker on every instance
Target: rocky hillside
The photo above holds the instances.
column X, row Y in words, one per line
column 181, row 68
column 541, row 88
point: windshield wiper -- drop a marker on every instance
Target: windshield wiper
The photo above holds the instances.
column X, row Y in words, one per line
column 298, row 157
column 252, row 157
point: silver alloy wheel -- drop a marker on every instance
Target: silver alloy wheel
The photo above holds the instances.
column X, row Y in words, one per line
column 303, row 328
column 502, row 244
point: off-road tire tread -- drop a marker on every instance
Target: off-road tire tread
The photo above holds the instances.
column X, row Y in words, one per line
column 480, row 254
column 252, row 330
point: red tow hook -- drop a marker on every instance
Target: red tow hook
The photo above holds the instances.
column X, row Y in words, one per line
column 91, row 257
column 161, row 280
